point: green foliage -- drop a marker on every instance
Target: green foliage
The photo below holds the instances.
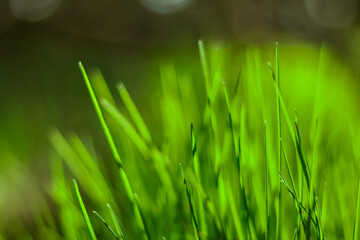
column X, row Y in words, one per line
column 230, row 184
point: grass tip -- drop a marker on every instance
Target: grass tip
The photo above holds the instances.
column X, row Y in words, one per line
column 119, row 85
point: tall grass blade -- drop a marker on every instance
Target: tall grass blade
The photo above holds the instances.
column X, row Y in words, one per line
column 100, row 116
column 278, row 219
column 111, row 142
column 83, row 210
column 295, row 135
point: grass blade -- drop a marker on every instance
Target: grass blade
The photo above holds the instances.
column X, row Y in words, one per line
column 312, row 198
column 230, row 122
column 234, row 211
column 106, row 225
column 137, row 202
column 211, row 209
column 134, row 113
column 293, row 192
column 142, row 146
column 204, row 66
column 116, row 222
column 194, row 155
column 267, row 229
column 107, row 134
column 278, row 219
column 294, row 135
column 198, row 177
column 99, row 84
column 111, row 142
column 192, row 211
column 83, row 210
column 288, row 168
column 100, row 116
column 300, row 150
column 313, row 170
column 126, row 126
column 237, row 155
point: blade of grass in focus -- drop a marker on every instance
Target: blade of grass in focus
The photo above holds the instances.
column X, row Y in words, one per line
column 83, row 210
column 278, row 220
column 114, row 151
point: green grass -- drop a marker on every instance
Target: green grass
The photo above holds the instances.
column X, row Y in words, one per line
column 220, row 154
column 83, row 209
column 231, row 197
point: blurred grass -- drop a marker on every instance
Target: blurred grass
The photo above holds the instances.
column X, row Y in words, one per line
column 222, row 154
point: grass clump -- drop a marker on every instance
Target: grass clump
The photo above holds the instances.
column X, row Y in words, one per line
column 237, row 174
column 224, row 200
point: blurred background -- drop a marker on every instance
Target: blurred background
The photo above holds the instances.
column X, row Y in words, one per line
column 42, row 40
